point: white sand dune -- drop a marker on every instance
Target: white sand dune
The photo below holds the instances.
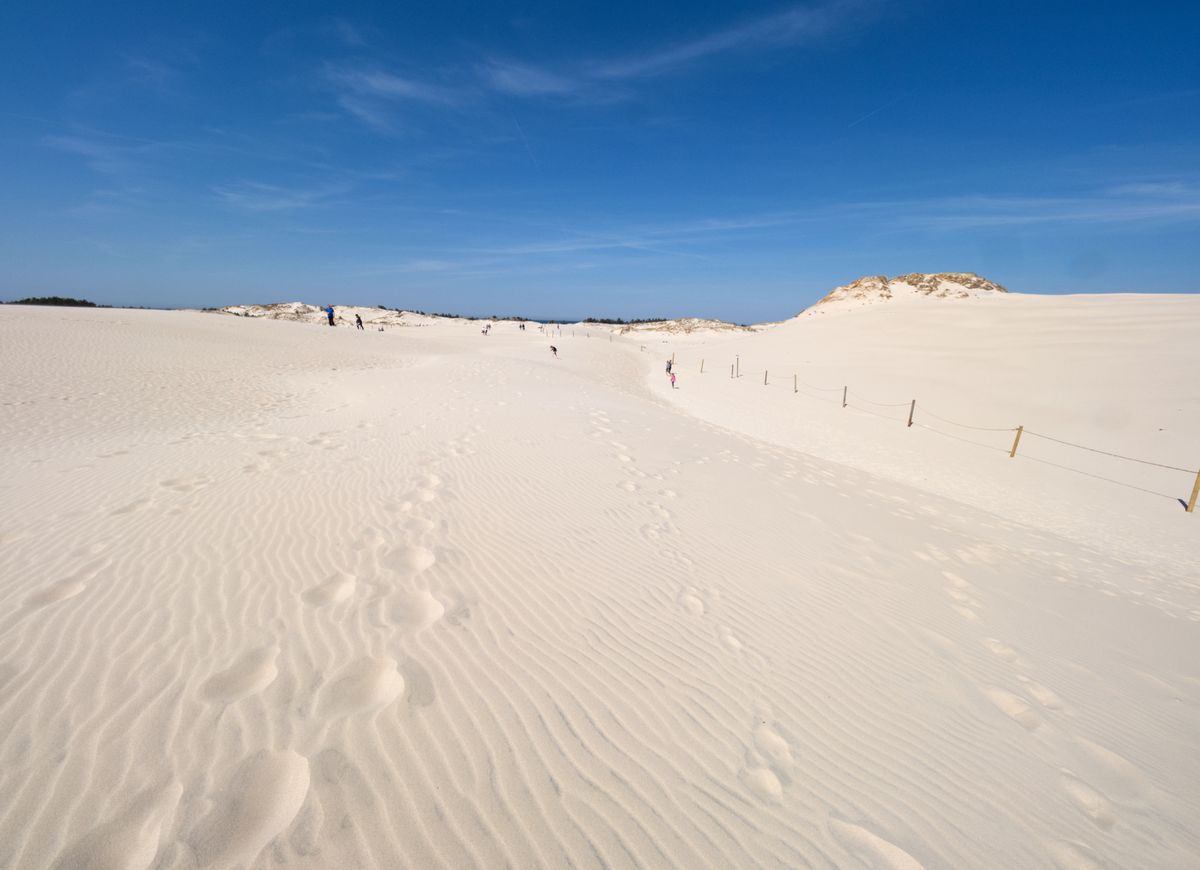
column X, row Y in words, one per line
column 274, row 594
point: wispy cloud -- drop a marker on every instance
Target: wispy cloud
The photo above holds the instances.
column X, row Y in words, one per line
column 348, row 34
column 106, row 202
column 1128, row 206
column 109, row 155
column 151, row 73
column 378, row 83
column 524, row 80
column 794, row 26
column 259, row 197
column 371, row 94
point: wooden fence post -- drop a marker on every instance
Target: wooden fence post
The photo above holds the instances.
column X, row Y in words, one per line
column 844, row 391
column 731, row 371
column 795, row 389
column 1195, row 492
column 738, row 363
column 911, row 409
column 701, row 366
column 672, row 357
column 764, row 378
column 1016, row 441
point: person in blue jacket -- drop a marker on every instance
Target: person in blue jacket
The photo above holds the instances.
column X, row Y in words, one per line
column 329, row 314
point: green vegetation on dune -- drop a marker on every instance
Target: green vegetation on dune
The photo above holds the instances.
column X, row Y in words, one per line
column 53, row 300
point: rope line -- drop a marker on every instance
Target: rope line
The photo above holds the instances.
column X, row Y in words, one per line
column 960, row 438
column 883, row 404
column 1114, row 455
column 874, row 413
column 927, row 412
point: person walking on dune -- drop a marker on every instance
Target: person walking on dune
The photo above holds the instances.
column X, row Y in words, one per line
column 554, row 350
column 329, row 313
column 358, row 322
column 672, row 380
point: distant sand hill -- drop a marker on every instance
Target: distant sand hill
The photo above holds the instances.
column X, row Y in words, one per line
column 874, row 289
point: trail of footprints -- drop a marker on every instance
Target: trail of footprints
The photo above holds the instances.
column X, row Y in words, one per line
column 768, row 766
column 262, row 796
column 1121, row 777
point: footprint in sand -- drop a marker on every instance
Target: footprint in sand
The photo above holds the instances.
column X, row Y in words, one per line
column 263, row 797
column 1073, row 856
column 130, row 841
column 419, row 525
column 690, row 601
column 960, row 596
column 418, row 682
column 763, row 782
column 252, row 672
column 871, row 849
column 1041, row 694
column 134, row 506
column 955, row 580
column 363, row 685
column 185, row 484
column 1115, row 774
column 775, row 750
column 336, row 588
column 965, row 612
column 1094, row 805
column 628, row 486
column 1001, row 650
column 728, row 638
column 414, row 610
column 409, row 560
column 1014, row 707
column 53, row 594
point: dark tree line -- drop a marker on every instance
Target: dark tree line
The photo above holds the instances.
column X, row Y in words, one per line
column 54, row 300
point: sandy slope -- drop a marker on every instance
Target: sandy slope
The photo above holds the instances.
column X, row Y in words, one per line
column 276, row 594
column 1119, row 373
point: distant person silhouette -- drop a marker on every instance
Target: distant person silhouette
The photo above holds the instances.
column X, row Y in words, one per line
column 554, row 350
column 329, row 313
column 358, row 322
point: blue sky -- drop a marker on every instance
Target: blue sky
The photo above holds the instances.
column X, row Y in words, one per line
column 615, row 159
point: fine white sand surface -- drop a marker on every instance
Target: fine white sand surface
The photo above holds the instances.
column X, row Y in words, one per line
column 279, row 594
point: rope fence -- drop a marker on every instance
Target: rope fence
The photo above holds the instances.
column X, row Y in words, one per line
column 735, row 373
column 1113, row 455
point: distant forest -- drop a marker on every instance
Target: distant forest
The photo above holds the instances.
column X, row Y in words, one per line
column 53, row 300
